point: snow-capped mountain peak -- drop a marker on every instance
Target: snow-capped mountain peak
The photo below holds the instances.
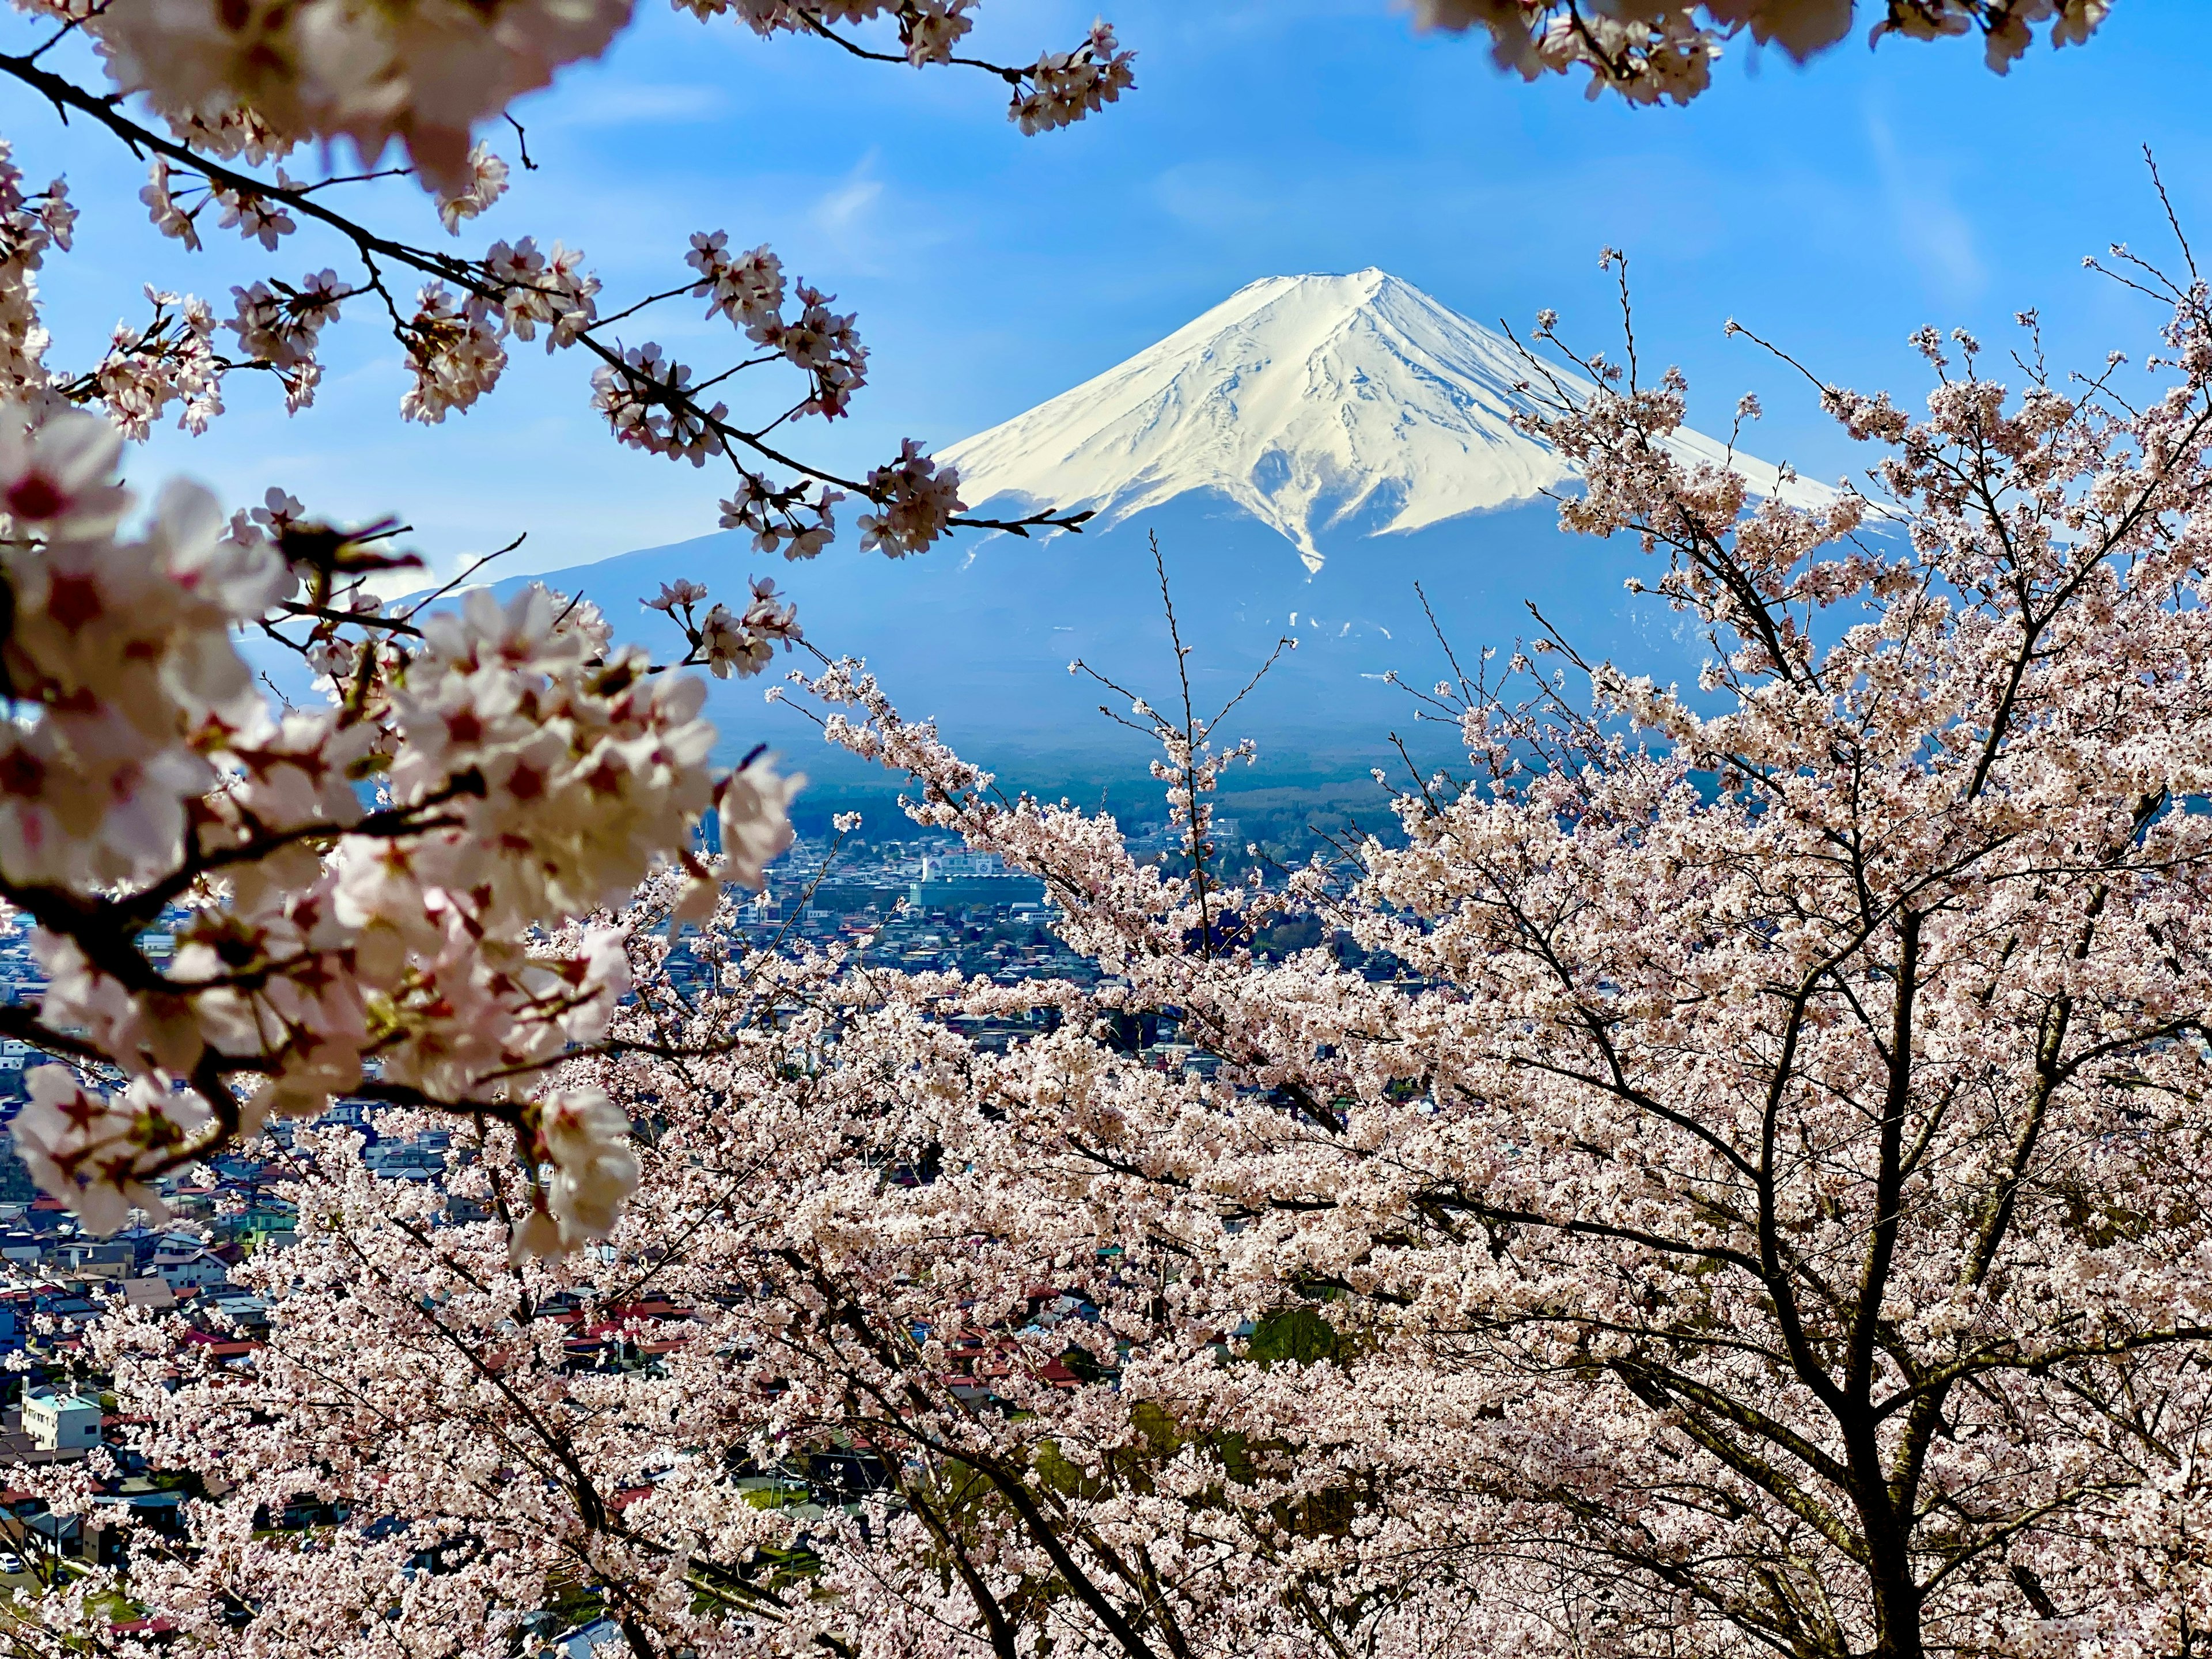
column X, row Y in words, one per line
column 1313, row 402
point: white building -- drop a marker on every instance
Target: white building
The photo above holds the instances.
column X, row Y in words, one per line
column 185, row 1269
column 402, row 1160
column 61, row 1422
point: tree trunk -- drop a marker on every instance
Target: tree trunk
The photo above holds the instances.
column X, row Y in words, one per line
column 1896, row 1595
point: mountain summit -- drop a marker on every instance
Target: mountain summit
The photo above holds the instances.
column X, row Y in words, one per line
column 1314, row 404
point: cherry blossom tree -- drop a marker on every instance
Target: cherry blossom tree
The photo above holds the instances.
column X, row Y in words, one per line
column 1752, row 1199
column 365, row 896
column 1652, row 52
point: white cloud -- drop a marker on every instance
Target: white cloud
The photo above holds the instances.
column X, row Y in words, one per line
column 610, row 103
column 842, row 212
column 1931, row 229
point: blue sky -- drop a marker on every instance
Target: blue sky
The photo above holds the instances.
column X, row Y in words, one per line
column 1834, row 208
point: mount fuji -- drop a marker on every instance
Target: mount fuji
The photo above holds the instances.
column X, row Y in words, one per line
column 1315, row 404
column 1304, row 454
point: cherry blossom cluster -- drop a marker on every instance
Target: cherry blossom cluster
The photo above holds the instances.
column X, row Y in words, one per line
column 428, row 74
column 747, row 288
column 1735, row 1178
column 1749, row 1196
column 31, row 225
column 928, row 29
column 486, row 184
column 171, row 359
column 548, row 290
column 392, row 896
column 1061, row 88
column 1650, row 51
column 822, row 344
column 424, row 75
column 793, row 519
column 727, row 642
column 360, row 896
column 453, row 353
column 915, row 499
column 647, row 402
column 278, row 325
column 1057, row 90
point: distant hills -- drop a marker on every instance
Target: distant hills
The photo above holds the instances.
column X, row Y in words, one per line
column 1305, row 452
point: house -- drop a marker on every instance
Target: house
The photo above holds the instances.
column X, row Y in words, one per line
column 94, row 1258
column 197, row 1267
column 222, row 1348
column 61, row 1422
column 64, row 1538
column 150, row 1292
column 158, row 1511
column 177, row 1241
column 399, row 1160
column 235, row 1306
column 61, row 1536
column 268, row 1224
column 70, row 1312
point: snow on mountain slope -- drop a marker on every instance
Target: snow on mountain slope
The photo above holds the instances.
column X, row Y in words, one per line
column 1313, row 402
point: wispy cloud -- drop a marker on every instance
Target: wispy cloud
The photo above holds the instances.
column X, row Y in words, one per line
column 859, row 226
column 1931, row 229
column 611, row 103
column 844, row 211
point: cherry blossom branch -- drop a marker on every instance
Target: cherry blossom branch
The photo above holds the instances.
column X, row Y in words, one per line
column 646, row 389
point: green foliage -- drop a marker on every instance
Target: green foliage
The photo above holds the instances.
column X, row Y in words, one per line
column 1299, row 1336
column 1064, row 1477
